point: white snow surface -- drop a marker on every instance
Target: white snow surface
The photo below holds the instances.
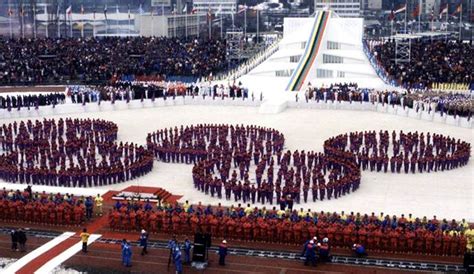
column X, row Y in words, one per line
column 448, row 194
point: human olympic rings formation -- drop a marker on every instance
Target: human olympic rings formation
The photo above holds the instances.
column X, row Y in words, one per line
column 241, row 161
column 245, row 163
column 70, row 152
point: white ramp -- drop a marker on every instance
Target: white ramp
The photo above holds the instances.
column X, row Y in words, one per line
column 36, row 253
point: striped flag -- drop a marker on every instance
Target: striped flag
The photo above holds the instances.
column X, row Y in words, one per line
column 69, row 11
column 458, row 9
column 242, row 8
column 416, row 11
column 401, row 9
column 442, row 10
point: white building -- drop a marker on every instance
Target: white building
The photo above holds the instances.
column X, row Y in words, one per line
column 321, row 51
column 216, row 6
column 180, row 25
column 344, row 8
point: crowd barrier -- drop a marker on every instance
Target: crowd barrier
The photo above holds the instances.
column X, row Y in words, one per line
column 70, row 108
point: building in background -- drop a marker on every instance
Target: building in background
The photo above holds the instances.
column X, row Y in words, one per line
column 373, row 4
column 168, row 25
column 217, row 6
column 343, row 8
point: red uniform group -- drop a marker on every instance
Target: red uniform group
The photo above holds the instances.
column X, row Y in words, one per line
column 42, row 208
column 376, row 233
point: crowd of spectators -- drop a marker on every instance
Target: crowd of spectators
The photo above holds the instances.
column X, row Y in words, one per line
column 91, row 60
column 457, row 104
column 431, row 61
column 31, row 100
column 52, row 209
column 400, row 234
column 70, row 152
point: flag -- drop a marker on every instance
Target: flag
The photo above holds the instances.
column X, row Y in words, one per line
column 391, row 15
column 416, row 11
column 105, row 12
column 140, row 9
column 10, row 12
column 93, row 14
column 22, row 11
column 432, row 14
column 185, row 10
column 117, row 9
column 458, row 9
column 69, row 10
column 82, row 9
column 209, row 12
column 442, row 10
column 129, row 11
column 401, row 9
column 194, row 11
column 242, row 8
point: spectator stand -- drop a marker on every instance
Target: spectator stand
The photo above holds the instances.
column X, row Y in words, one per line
column 379, row 69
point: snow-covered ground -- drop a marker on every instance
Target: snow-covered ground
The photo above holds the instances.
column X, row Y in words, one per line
column 447, row 194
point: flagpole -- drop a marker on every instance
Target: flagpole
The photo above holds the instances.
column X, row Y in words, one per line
column 258, row 25
column 34, row 20
column 391, row 27
column 129, row 20
column 58, row 20
column 186, row 22
column 209, row 19
column 245, row 21
column 118, row 17
column 174, row 19
column 406, row 9
column 82, row 21
column 47, row 21
column 93, row 23
column 70, row 22
column 447, row 14
column 419, row 16
column 460, row 23
column 10, row 21
column 152, row 23
column 220, row 14
column 198, row 22
column 22, row 22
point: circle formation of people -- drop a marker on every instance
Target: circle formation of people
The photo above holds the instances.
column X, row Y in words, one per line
column 249, row 164
column 69, row 153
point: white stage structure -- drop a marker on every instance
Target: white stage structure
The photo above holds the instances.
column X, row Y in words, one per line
column 320, row 50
